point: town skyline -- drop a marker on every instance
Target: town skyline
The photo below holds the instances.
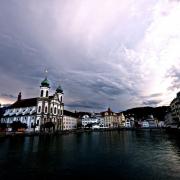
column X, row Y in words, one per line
column 123, row 55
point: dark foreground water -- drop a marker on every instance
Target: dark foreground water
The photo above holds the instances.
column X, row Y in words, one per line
column 125, row 155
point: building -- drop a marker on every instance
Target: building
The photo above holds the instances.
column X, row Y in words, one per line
column 175, row 108
column 153, row 123
column 110, row 118
column 69, row 120
column 168, row 120
column 89, row 121
column 94, row 120
column 37, row 112
column 145, row 124
column 121, row 119
column 129, row 122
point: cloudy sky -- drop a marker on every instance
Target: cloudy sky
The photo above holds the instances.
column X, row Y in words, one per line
column 105, row 53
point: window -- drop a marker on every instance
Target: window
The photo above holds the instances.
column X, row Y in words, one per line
column 55, row 109
column 51, row 110
column 46, row 93
column 39, row 109
column 41, row 93
column 61, row 98
column 46, row 109
column 37, row 122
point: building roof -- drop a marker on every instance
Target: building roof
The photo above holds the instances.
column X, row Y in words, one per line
column 45, row 83
column 24, row 103
column 109, row 112
column 59, row 89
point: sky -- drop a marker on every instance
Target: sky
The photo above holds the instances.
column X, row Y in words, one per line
column 104, row 53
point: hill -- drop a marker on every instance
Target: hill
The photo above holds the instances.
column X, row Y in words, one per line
column 144, row 112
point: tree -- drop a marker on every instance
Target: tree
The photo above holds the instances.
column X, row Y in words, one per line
column 3, row 126
column 18, row 125
column 34, row 126
column 49, row 125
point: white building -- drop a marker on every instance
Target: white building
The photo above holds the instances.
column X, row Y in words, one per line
column 69, row 120
column 36, row 112
column 89, row 120
column 145, row 124
column 127, row 123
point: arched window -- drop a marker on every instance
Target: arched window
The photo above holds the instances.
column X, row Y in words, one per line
column 46, row 93
column 46, row 109
column 51, row 110
column 39, row 109
column 41, row 93
column 55, row 109
column 61, row 98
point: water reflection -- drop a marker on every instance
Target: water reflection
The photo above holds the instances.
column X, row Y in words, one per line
column 127, row 154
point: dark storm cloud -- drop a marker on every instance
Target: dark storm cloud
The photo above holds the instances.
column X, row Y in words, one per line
column 108, row 89
column 86, row 104
column 9, row 96
column 87, row 54
column 151, row 102
column 155, row 95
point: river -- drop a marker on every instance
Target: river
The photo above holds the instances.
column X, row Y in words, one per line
column 123, row 155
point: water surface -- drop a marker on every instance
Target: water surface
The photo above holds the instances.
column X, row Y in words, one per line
column 124, row 154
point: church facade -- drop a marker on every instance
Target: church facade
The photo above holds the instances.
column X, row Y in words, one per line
column 38, row 112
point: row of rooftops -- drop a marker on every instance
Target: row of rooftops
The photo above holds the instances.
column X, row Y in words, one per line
column 26, row 106
column 20, row 112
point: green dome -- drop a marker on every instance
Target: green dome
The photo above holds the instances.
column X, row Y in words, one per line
column 59, row 89
column 45, row 83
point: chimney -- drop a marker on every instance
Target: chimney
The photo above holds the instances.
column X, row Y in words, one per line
column 19, row 96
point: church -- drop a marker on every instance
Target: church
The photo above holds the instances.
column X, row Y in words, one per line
column 37, row 112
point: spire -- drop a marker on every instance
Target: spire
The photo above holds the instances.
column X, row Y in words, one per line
column 46, row 73
column 19, row 96
column 45, row 82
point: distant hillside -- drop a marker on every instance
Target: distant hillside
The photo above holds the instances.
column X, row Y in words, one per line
column 143, row 112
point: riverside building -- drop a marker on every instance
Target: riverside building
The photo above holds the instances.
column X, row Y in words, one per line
column 36, row 112
column 175, row 108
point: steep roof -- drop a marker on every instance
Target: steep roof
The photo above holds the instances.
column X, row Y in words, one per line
column 109, row 111
column 24, row 103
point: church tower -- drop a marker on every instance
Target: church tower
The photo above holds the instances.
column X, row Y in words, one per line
column 44, row 88
column 60, row 93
